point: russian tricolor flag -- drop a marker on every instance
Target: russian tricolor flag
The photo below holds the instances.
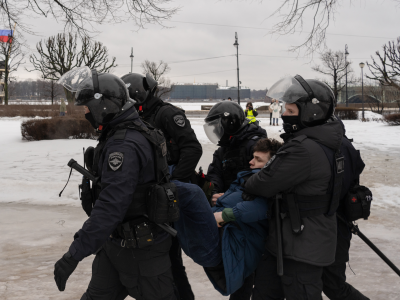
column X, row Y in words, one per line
column 6, row 35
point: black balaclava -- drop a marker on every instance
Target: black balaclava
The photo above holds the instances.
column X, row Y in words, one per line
column 91, row 119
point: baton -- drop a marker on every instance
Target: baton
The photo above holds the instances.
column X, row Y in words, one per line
column 74, row 165
column 354, row 229
column 279, row 254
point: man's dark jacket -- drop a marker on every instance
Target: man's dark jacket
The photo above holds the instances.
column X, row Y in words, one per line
column 118, row 187
column 247, row 137
column 302, row 167
column 184, row 150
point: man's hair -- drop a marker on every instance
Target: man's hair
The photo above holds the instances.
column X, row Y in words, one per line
column 267, row 145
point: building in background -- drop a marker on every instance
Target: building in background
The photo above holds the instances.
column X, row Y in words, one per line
column 206, row 91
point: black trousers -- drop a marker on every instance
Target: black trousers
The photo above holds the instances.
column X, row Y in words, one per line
column 144, row 274
column 300, row 281
column 267, row 283
column 334, row 276
column 178, row 271
column 244, row 293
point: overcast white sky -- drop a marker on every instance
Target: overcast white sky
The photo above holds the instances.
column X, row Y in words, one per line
column 185, row 40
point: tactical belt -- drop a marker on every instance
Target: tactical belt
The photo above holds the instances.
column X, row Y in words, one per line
column 138, row 233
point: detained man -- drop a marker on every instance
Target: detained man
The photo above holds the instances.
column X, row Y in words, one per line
column 231, row 253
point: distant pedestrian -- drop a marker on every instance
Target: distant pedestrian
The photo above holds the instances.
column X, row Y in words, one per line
column 229, row 99
column 251, row 113
column 63, row 108
column 275, row 110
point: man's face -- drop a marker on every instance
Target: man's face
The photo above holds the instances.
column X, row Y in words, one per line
column 259, row 159
column 86, row 109
column 291, row 110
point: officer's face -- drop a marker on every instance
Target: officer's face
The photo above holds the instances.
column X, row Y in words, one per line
column 86, row 109
column 259, row 159
column 291, row 110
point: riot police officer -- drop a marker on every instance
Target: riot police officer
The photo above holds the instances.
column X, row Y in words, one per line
column 184, row 151
column 131, row 251
column 227, row 126
column 306, row 177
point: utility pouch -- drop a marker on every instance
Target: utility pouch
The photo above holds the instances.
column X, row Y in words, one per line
column 144, row 235
column 162, row 203
column 86, row 196
column 357, row 203
column 129, row 237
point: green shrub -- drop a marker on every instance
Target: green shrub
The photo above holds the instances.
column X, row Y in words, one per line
column 392, row 119
column 57, row 128
column 347, row 113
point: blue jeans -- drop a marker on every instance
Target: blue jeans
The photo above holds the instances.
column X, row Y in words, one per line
column 276, row 120
column 197, row 230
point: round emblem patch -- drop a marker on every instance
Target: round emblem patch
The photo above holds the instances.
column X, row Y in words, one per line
column 179, row 120
column 115, row 160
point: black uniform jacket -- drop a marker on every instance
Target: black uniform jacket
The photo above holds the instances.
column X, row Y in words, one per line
column 252, row 133
column 117, row 187
column 184, row 149
column 301, row 167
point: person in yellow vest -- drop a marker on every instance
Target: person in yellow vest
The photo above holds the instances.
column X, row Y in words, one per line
column 251, row 113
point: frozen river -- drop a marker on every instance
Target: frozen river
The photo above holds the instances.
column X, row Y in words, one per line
column 37, row 226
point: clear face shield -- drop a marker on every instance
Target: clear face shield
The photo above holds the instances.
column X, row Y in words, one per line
column 80, row 82
column 214, row 130
column 287, row 90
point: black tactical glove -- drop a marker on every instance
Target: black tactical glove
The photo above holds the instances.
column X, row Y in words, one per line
column 63, row 269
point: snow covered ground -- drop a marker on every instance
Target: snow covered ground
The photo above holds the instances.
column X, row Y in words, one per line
column 37, row 226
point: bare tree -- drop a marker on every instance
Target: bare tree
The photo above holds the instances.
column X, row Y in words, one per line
column 386, row 70
column 295, row 13
column 82, row 15
column 12, row 55
column 158, row 70
column 59, row 54
column 376, row 99
column 334, row 66
column 51, row 89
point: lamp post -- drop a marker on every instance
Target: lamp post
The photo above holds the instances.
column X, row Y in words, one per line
column 362, row 88
column 131, row 58
column 345, row 61
column 236, row 44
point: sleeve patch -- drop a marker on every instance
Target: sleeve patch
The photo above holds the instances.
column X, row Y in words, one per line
column 180, row 120
column 115, row 160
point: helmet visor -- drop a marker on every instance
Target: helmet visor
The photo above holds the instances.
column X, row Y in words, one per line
column 288, row 90
column 214, row 130
column 75, row 79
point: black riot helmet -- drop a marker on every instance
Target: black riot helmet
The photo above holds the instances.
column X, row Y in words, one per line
column 104, row 94
column 140, row 88
column 224, row 118
column 315, row 99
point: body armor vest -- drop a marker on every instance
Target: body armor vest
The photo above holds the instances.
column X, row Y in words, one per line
column 138, row 206
column 173, row 153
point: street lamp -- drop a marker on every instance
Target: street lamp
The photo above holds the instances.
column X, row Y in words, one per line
column 362, row 88
column 236, row 44
column 345, row 61
column 131, row 58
